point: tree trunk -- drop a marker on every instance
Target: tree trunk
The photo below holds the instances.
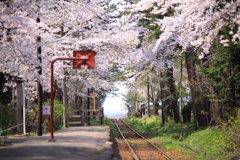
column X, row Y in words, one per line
column 58, row 93
column 77, row 101
column 186, row 113
column 202, row 106
column 156, row 108
column 172, row 94
column 156, row 104
column 165, row 98
column 203, row 110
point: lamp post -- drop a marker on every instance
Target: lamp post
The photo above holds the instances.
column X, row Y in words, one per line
column 84, row 64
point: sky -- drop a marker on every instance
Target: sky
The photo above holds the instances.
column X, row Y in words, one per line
column 114, row 105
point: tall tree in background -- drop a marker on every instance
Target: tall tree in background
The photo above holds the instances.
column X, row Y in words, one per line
column 168, row 94
column 86, row 25
column 223, row 75
column 130, row 99
column 192, row 25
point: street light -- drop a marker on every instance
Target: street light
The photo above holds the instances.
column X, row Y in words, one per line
column 81, row 60
column 52, row 92
column 84, row 64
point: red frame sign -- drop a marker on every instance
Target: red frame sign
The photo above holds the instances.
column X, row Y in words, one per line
column 88, row 55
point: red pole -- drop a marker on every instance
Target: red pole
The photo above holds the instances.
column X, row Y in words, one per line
column 52, row 92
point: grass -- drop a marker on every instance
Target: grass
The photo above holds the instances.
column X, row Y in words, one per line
column 2, row 144
column 108, row 122
column 206, row 143
column 100, row 151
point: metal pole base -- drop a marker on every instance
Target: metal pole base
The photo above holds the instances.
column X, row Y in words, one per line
column 52, row 140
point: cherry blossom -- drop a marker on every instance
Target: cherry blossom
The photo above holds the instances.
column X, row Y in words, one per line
column 85, row 25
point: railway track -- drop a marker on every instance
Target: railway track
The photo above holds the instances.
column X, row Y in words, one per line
column 137, row 147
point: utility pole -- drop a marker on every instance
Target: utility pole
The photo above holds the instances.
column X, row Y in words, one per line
column 24, row 109
column 39, row 86
column 20, row 107
column 65, row 103
column 88, row 105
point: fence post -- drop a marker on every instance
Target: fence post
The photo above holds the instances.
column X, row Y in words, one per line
column 81, row 113
column 65, row 112
column 101, row 115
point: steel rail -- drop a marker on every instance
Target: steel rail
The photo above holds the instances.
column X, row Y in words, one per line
column 133, row 152
column 162, row 152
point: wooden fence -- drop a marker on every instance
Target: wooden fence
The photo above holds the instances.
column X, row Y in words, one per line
column 92, row 116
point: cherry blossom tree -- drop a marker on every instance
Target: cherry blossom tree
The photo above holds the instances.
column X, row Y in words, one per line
column 85, row 25
column 194, row 23
column 192, row 26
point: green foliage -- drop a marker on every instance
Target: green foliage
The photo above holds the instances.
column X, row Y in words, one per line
column 130, row 98
column 223, row 72
column 57, row 118
column 5, row 96
column 150, row 23
column 231, row 128
column 117, row 72
column 179, row 62
column 7, row 112
column 8, row 116
column 207, row 143
column 170, row 145
column 58, row 114
column 3, row 132
column 108, row 122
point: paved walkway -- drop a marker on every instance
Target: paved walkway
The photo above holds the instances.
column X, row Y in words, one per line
column 80, row 143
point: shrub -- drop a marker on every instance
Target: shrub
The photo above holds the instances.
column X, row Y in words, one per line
column 8, row 116
column 57, row 118
column 58, row 114
column 232, row 131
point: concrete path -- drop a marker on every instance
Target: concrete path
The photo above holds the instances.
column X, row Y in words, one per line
column 80, row 143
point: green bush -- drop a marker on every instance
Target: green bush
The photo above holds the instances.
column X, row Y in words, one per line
column 57, row 118
column 231, row 128
column 107, row 121
column 208, row 143
column 58, row 114
column 8, row 116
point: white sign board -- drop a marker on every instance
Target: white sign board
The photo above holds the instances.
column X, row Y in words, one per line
column 46, row 110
